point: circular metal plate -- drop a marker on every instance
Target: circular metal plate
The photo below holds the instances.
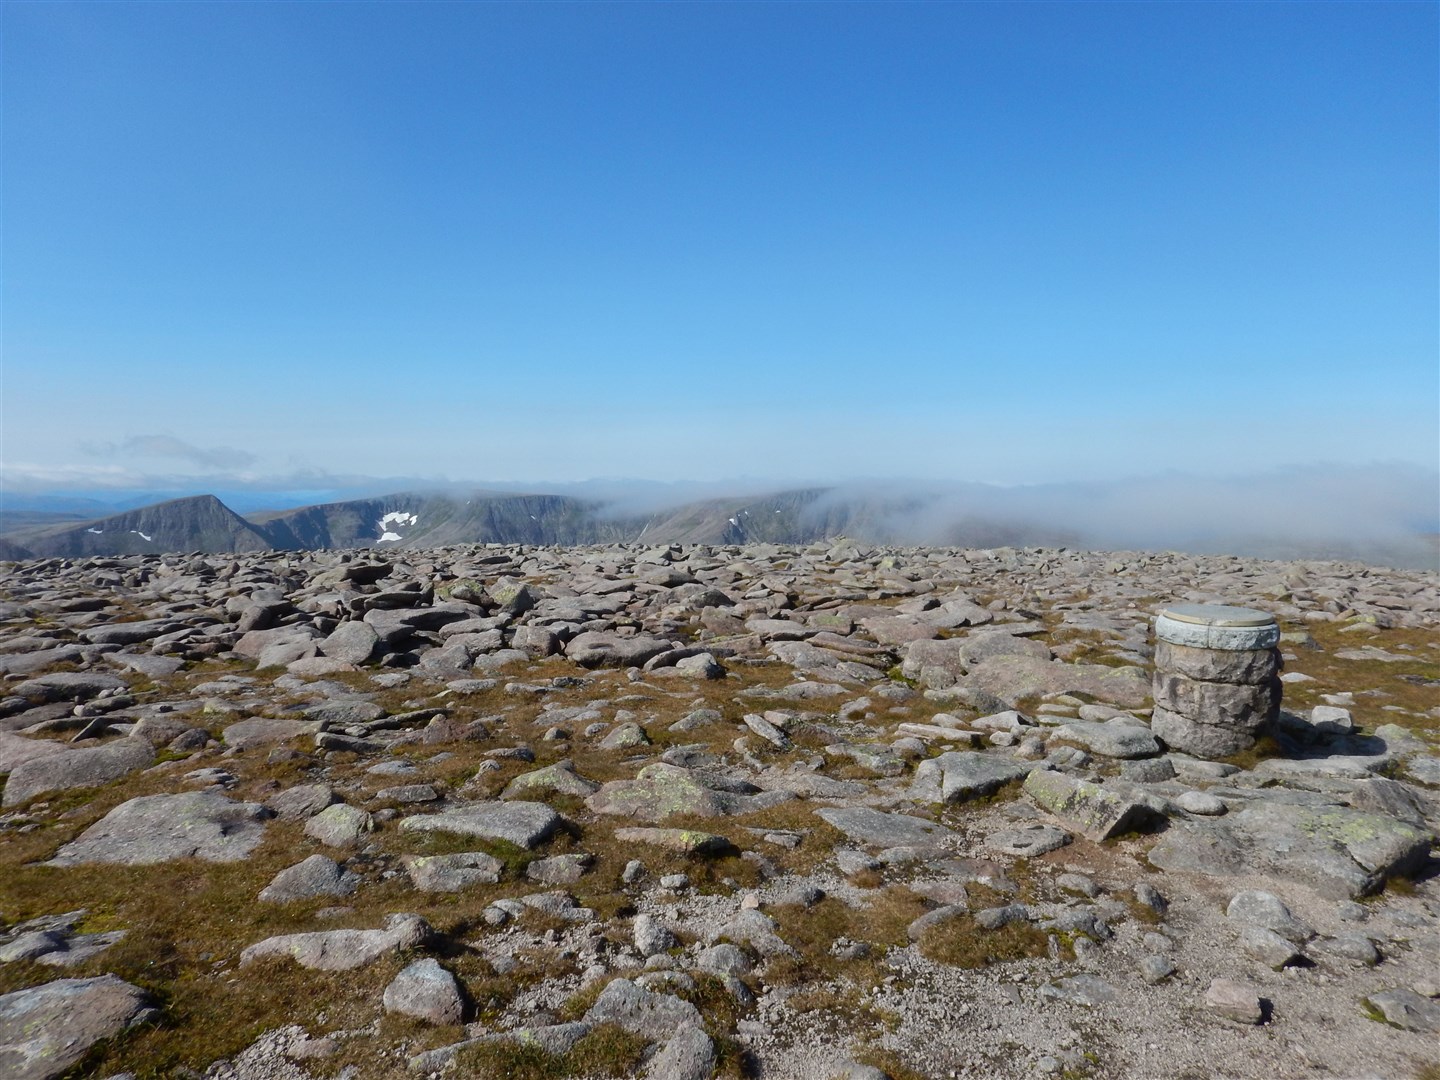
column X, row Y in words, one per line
column 1217, row 615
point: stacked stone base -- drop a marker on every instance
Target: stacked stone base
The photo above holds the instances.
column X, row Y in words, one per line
column 1214, row 702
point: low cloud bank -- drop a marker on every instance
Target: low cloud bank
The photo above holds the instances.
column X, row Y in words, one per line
column 1383, row 513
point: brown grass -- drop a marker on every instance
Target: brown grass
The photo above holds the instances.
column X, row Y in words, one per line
column 607, row 1050
column 961, row 942
column 1360, row 677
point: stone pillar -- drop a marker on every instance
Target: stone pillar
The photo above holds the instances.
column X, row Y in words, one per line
column 1217, row 678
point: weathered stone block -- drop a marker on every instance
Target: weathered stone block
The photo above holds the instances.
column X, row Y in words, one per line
column 1218, row 665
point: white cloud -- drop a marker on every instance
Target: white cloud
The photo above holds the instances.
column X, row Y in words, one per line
column 167, row 446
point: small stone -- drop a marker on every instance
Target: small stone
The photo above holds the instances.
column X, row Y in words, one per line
column 995, row 918
column 1266, row 910
column 1331, row 720
column 1078, row 883
column 1235, row 1001
column 1349, row 911
column 625, row 736
column 315, row 876
column 1150, row 896
column 1148, row 770
column 724, row 957
column 685, row 841
column 426, row 991
column 1081, row 990
column 1200, row 802
column 339, row 825
column 1156, row 969
column 1353, row 947
column 1268, row 947
column 652, row 937
column 852, row 861
column 342, row 950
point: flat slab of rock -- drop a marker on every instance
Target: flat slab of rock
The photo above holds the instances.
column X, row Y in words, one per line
column 68, row 686
column 595, row 649
column 1027, row 841
column 876, row 828
column 301, row 801
column 342, row 950
column 1081, row 990
column 46, row 1029
column 1111, row 740
column 560, row 778
column 1340, row 852
column 958, row 776
column 641, row 1012
column 315, row 876
column 263, row 730
column 1405, row 1009
column 1088, row 808
column 76, row 768
column 660, row 791
column 159, row 828
column 154, row 667
column 17, row 749
column 685, row 841
column 1012, row 678
column 129, row 633
column 452, row 873
column 524, row 824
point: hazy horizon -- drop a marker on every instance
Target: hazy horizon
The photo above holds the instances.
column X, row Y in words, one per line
column 1383, row 514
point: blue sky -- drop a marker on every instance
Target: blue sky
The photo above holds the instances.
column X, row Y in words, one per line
column 283, row 243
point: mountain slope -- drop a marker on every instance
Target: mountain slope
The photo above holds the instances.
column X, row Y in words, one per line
column 415, row 521
column 199, row 523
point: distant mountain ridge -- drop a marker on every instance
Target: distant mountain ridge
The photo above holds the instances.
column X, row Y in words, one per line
column 974, row 517
column 410, row 520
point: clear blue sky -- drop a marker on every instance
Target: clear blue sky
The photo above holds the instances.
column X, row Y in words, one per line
column 1010, row 242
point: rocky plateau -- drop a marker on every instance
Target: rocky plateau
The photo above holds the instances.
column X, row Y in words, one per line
column 810, row 811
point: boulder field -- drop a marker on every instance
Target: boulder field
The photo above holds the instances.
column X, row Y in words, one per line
column 680, row 812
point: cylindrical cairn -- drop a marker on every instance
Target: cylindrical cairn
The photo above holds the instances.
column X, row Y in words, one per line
column 1217, row 678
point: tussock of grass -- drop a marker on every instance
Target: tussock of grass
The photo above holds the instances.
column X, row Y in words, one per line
column 961, row 942
column 607, row 1050
column 810, row 931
